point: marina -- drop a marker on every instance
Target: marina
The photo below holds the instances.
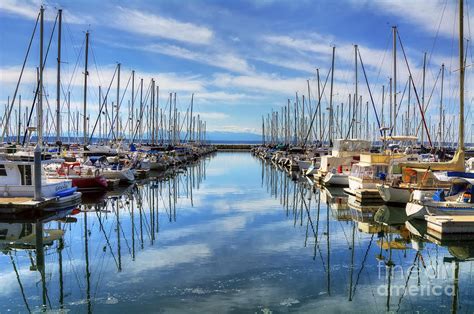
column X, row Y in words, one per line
column 215, row 235
column 212, row 185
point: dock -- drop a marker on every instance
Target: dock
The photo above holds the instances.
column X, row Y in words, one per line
column 12, row 205
column 450, row 224
column 234, row 147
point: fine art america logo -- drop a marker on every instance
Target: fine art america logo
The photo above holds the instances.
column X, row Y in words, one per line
column 435, row 280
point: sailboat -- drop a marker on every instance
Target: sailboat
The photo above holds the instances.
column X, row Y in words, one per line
column 426, row 202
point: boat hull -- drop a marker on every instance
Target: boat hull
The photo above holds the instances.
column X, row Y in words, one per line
column 90, row 183
column 393, row 194
column 124, row 175
column 48, row 189
column 359, row 184
column 336, row 179
column 415, row 210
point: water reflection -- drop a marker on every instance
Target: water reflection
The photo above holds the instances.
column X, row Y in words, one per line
column 399, row 263
column 72, row 249
column 230, row 233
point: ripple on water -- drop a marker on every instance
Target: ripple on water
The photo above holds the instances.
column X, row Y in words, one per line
column 289, row 302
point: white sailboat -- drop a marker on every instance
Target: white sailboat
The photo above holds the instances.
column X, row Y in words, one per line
column 435, row 203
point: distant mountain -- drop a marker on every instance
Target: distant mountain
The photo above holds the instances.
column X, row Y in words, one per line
column 217, row 136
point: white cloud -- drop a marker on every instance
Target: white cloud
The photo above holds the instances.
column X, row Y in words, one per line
column 428, row 15
column 213, row 115
column 265, row 82
column 30, row 9
column 234, row 129
column 163, row 27
column 219, row 59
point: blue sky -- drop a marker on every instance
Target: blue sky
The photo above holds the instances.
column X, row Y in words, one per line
column 240, row 58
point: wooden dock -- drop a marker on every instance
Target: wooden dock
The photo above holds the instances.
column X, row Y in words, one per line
column 450, row 224
column 11, row 205
column 234, row 147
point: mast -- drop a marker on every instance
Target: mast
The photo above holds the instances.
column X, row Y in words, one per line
column 39, row 109
column 85, row 88
column 423, row 98
column 461, row 75
column 157, row 102
column 152, row 109
column 440, row 130
column 383, row 105
column 394, row 79
column 117, row 105
column 133, row 104
column 319, row 108
column 140, row 117
column 58, row 82
column 37, row 153
column 391, row 105
column 191, row 119
column 69, row 117
column 356, row 97
column 19, row 120
column 331, row 119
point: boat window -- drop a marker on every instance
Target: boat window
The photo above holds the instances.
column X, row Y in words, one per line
column 25, row 173
column 396, row 169
column 3, row 171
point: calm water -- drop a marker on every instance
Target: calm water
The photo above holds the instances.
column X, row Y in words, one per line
column 231, row 234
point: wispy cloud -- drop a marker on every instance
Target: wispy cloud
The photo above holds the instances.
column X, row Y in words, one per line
column 260, row 82
column 219, row 59
column 213, row 115
column 154, row 25
column 431, row 16
column 30, row 9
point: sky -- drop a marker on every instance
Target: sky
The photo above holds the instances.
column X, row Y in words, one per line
column 241, row 59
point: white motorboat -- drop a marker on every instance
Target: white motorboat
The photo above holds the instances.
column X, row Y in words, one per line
column 17, row 177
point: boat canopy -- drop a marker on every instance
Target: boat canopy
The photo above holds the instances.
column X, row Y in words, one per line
column 350, row 147
column 455, row 176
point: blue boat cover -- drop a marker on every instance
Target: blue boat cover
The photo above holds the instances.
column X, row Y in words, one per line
column 439, row 196
column 66, row 192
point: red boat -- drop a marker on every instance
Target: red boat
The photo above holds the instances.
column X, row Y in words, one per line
column 84, row 178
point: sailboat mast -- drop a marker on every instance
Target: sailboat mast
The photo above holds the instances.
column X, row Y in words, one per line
column 58, row 82
column 461, row 75
column 441, row 108
column 356, row 97
column 19, row 120
column 117, row 105
column 132, row 111
column 86, row 73
column 191, row 119
column 331, row 119
column 39, row 111
column 394, row 79
column 423, row 99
